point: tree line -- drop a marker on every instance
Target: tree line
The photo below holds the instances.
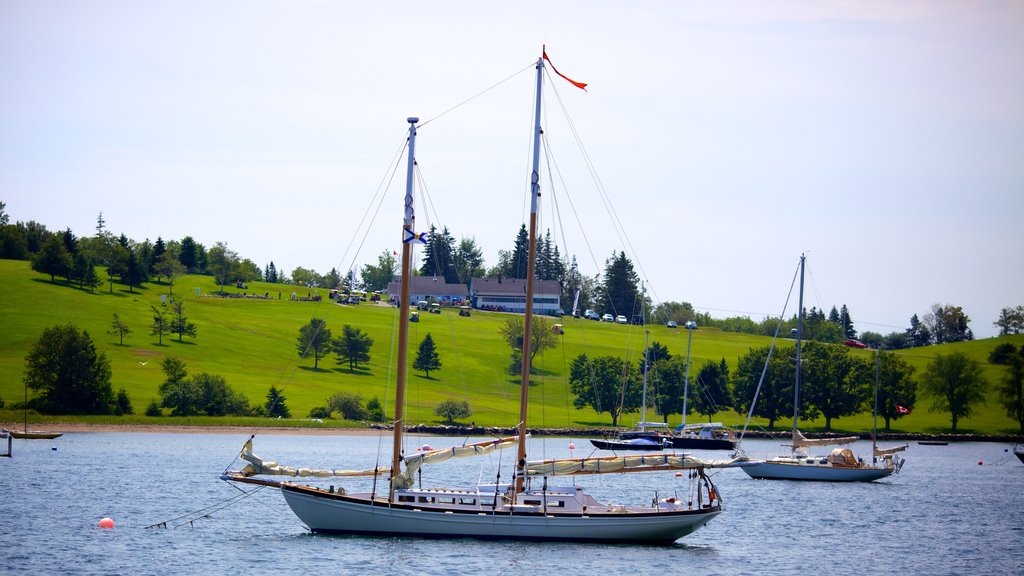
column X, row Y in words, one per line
column 833, row 384
column 616, row 290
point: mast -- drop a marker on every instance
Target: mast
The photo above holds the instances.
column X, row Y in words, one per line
column 799, row 337
column 686, row 380
column 408, row 236
column 531, row 260
column 874, row 425
column 647, row 337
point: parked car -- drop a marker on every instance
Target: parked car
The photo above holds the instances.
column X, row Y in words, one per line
column 855, row 343
column 608, row 318
column 620, row 319
column 672, row 324
column 591, row 315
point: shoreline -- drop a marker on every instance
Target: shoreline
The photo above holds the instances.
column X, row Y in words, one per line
column 440, row 430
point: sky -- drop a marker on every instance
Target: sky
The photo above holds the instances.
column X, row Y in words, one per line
column 883, row 139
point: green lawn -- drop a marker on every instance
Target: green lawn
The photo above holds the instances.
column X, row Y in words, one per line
column 251, row 342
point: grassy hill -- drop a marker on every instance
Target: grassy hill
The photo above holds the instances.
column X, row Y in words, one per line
column 251, row 342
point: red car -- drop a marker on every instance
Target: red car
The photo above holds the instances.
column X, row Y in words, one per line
column 855, row 343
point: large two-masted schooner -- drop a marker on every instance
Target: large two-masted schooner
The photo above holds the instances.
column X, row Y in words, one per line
column 532, row 506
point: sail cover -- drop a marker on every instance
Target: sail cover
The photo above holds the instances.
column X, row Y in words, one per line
column 799, row 441
column 889, row 451
column 258, row 467
column 412, row 463
column 605, row 465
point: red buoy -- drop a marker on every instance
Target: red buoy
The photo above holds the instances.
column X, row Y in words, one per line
column 106, row 523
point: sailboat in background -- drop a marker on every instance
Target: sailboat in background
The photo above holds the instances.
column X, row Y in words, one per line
column 710, row 436
column 529, row 507
column 25, row 433
column 646, row 436
column 841, row 465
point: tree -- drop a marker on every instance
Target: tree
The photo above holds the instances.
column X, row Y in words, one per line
column 189, row 255
column 375, row 409
column 1011, row 321
column 304, row 277
column 948, row 324
column 833, row 382
column 439, row 256
column 332, row 279
column 846, row 323
column 133, row 273
column 179, row 322
column 681, row 312
column 427, row 358
column 177, row 392
column 451, row 410
column 153, row 409
column 896, row 387
column 315, row 338
column 515, row 265
column 775, row 399
column 169, row 267
column 161, row 324
column 542, row 339
column 955, row 384
column 712, row 389
column 1011, row 390
column 53, row 258
column 666, row 377
column 377, row 277
column 918, row 333
column 123, row 403
column 620, row 293
column 469, row 260
column 203, row 393
column 353, row 346
column 606, row 384
column 275, row 405
column 223, row 263
column 119, row 329
column 348, row 404
column 70, row 376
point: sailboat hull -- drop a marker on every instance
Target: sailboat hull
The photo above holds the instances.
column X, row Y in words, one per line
column 773, row 470
column 339, row 514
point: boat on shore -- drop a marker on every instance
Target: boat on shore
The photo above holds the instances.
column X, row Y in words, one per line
column 27, row 434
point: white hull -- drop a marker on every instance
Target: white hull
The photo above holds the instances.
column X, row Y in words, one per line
column 786, row 469
column 334, row 513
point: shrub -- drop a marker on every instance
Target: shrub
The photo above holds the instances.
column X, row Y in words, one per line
column 153, row 409
column 349, row 405
column 320, row 412
column 451, row 410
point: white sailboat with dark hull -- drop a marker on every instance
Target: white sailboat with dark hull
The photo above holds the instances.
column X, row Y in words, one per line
column 531, row 507
column 841, row 465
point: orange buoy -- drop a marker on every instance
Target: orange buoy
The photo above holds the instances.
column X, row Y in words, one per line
column 106, row 523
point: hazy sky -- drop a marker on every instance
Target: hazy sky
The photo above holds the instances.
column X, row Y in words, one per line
column 885, row 139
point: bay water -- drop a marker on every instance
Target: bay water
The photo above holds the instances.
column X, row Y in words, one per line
column 955, row 509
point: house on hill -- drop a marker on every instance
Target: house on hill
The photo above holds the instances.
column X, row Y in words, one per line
column 431, row 289
column 509, row 295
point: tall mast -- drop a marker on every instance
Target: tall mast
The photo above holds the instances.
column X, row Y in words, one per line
column 799, row 337
column 647, row 337
column 530, row 264
column 874, row 425
column 408, row 235
column 686, row 379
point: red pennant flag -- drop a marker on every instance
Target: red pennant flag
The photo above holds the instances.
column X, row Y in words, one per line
column 902, row 410
column 580, row 85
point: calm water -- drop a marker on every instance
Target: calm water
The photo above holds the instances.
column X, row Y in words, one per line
column 944, row 514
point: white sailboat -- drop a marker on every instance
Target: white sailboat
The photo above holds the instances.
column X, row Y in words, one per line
column 527, row 508
column 841, row 465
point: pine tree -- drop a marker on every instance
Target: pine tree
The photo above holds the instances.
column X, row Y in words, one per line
column 427, row 358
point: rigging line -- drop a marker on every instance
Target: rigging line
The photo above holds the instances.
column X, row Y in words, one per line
column 478, row 94
column 771, row 349
column 388, row 178
column 202, row 512
column 620, row 230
